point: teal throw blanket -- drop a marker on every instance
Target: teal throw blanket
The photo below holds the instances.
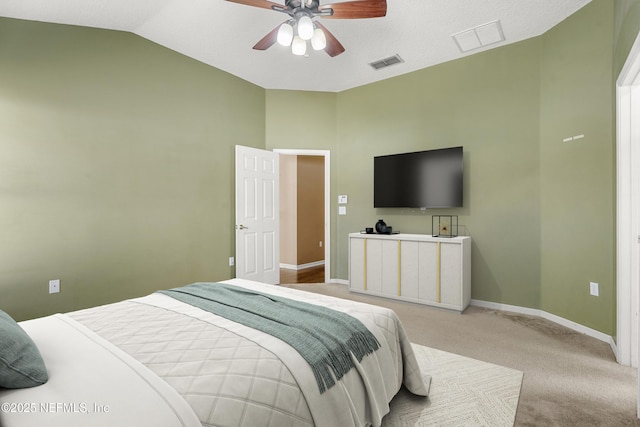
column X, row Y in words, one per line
column 325, row 338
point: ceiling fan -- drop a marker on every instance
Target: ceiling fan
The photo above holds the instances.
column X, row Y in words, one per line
column 302, row 19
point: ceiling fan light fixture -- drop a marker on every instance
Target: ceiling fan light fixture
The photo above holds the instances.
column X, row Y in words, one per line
column 303, row 19
column 285, row 34
column 319, row 40
column 305, row 28
column 298, row 46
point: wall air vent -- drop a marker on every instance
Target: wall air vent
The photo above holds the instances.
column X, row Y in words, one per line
column 383, row 63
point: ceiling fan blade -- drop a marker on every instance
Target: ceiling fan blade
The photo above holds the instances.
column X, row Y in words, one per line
column 334, row 47
column 356, row 9
column 267, row 41
column 265, row 4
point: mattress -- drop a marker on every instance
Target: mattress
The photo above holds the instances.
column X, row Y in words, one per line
column 222, row 373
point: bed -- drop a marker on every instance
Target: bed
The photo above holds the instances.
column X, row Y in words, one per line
column 158, row 361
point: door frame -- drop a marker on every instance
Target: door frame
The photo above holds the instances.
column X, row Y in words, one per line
column 628, row 207
column 327, row 199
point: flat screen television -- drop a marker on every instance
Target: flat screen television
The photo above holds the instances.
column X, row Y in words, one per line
column 423, row 179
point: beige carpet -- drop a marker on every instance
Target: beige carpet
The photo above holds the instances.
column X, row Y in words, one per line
column 570, row 379
column 463, row 391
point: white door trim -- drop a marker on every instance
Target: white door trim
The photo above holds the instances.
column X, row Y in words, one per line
column 327, row 200
column 628, row 209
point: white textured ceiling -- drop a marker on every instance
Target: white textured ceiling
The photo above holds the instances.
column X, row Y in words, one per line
column 222, row 34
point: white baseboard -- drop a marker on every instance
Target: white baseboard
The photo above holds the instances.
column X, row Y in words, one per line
column 302, row 266
column 534, row 312
column 552, row 317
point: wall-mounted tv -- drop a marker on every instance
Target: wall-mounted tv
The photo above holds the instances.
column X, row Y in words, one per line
column 423, row 179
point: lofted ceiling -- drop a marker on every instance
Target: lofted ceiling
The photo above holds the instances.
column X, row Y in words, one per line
column 221, row 33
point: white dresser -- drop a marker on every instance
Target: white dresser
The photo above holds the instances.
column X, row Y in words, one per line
column 412, row 267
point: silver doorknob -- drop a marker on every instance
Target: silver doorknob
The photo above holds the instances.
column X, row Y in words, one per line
column 241, row 227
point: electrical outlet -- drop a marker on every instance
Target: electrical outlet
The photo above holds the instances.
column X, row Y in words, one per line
column 232, row 261
column 54, row 286
column 594, row 289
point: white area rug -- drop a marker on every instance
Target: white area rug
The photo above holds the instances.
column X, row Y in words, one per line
column 464, row 392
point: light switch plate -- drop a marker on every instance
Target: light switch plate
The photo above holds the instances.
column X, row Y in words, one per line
column 342, row 199
column 593, row 289
column 342, row 210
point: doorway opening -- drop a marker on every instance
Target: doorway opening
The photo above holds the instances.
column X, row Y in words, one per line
column 304, row 216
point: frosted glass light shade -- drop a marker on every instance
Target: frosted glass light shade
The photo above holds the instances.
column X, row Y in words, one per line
column 298, row 46
column 305, row 28
column 285, row 34
column 319, row 40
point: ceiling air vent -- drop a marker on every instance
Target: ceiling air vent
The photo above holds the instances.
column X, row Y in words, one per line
column 383, row 63
column 480, row 36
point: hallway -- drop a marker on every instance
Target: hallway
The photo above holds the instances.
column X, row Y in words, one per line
column 307, row 275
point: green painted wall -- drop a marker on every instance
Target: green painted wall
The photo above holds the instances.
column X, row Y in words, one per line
column 116, row 173
column 627, row 25
column 489, row 104
column 577, row 185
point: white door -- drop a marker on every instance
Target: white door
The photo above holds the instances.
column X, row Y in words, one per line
column 257, row 215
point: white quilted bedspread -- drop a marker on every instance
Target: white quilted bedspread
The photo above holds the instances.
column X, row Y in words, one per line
column 91, row 383
column 235, row 376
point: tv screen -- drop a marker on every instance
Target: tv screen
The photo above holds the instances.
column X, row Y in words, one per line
column 424, row 179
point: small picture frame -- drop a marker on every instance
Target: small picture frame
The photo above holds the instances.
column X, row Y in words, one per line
column 444, row 225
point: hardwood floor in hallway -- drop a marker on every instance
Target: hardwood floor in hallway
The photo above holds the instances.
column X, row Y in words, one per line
column 307, row 275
